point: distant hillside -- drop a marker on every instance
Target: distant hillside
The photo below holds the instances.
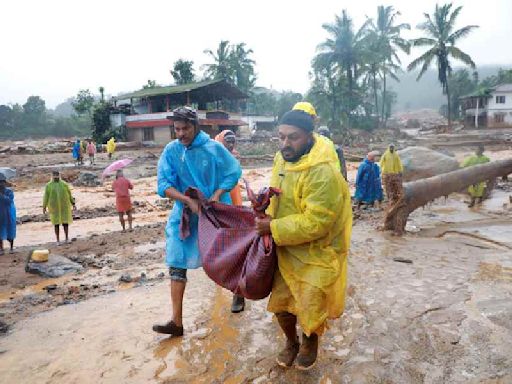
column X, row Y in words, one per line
column 426, row 93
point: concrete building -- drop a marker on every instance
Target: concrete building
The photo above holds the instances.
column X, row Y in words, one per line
column 488, row 108
column 144, row 113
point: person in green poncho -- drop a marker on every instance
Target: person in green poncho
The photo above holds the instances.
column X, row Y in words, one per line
column 476, row 191
column 58, row 201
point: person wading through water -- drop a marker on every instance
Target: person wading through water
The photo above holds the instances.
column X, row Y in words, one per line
column 193, row 160
column 311, row 223
column 228, row 139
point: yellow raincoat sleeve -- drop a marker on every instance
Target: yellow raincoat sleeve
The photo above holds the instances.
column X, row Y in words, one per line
column 321, row 199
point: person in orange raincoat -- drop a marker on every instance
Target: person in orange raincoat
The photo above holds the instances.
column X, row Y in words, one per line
column 228, row 139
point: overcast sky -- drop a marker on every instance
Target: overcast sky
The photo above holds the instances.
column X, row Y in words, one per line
column 54, row 48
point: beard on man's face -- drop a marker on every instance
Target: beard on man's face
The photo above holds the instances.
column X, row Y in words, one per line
column 291, row 155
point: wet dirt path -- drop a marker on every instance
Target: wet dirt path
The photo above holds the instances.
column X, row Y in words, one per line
column 443, row 318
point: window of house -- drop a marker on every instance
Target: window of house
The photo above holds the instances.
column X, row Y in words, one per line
column 148, row 134
column 499, row 117
column 500, row 99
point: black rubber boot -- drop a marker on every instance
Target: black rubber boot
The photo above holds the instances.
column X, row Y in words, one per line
column 238, row 304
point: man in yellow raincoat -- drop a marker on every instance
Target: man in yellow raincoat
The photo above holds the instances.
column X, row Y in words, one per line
column 476, row 191
column 392, row 169
column 111, row 147
column 58, row 200
column 311, row 223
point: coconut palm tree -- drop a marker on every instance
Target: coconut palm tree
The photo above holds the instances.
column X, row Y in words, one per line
column 387, row 41
column 441, row 37
column 343, row 50
column 221, row 66
column 242, row 67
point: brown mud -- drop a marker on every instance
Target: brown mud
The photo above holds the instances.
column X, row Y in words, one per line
column 445, row 317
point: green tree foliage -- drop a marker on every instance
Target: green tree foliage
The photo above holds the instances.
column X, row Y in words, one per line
column 262, row 103
column 441, row 38
column 34, row 120
column 183, row 72
column 83, row 102
column 504, row 76
column 233, row 63
column 101, row 122
column 460, row 83
column 150, row 84
column 34, row 114
column 385, row 41
column 342, row 53
column 285, row 102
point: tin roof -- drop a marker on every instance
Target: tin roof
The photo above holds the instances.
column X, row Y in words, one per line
column 202, row 91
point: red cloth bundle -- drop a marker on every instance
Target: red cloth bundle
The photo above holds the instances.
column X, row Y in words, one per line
column 232, row 252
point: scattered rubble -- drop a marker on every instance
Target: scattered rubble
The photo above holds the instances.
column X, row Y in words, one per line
column 56, row 266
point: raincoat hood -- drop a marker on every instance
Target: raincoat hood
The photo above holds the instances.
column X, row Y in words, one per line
column 321, row 152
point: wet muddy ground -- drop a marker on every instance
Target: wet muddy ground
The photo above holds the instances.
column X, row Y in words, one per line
column 443, row 316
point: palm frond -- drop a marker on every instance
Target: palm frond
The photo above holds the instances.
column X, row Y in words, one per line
column 426, row 57
column 423, row 41
column 463, row 32
column 457, row 54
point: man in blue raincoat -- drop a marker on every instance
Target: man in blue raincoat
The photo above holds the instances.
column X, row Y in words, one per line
column 193, row 160
column 368, row 185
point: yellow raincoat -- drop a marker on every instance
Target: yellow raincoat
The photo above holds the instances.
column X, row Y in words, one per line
column 476, row 190
column 390, row 163
column 311, row 225
column 111, row 145
column 58, row 200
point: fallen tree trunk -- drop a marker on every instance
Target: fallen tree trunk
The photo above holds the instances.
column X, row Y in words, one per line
column 418, row 193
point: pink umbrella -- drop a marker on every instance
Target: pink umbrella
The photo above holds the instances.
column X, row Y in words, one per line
column 116, row 165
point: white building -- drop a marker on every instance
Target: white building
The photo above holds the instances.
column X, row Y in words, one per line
column 491, row 108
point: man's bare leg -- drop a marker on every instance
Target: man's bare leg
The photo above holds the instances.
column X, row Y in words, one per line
column 288, row 324
column 57, row 233
column 66, row 231
column 177, row 292
column 130, row 219
column 121, row 219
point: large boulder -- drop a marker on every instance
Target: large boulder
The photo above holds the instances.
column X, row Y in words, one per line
column 421, row 162
column 56, row 266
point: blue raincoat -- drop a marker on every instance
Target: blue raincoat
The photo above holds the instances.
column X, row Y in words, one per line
column 205, row 165
column 368, row 185
column 76, row 150
column 7, row 215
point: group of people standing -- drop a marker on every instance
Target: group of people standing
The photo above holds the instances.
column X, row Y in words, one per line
column 89, row 147
column 369, row 174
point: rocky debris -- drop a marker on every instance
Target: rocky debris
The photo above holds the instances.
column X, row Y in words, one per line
column 126, row 278
column 421, row 162
column 87, row 179
column 4, row 327
column 56, row 266
column 412, row 123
